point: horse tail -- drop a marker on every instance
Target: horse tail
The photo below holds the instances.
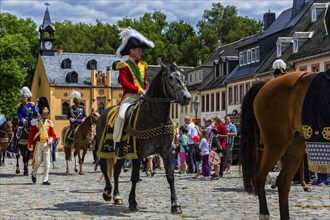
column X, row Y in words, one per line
column 250, row 139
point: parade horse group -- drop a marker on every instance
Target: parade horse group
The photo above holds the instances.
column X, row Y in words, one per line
column 166, row 87
column 271, row 127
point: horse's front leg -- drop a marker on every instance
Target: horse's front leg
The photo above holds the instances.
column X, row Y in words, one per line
column 117, row 171
column 108, row 188
column 67, row 152
column 17, row 163
column 75, row 160
column 302, row 176
column 169, row 167
column 133, row 206
column 26, row 156
column 81, row 161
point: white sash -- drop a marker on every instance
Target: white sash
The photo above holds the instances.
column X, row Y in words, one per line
column 43, row 128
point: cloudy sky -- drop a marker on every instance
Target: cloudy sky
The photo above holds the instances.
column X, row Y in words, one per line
column 110, row 11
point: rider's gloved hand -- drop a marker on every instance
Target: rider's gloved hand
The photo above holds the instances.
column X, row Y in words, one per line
column 49, row 142
column 72, row 120
column 23, row 120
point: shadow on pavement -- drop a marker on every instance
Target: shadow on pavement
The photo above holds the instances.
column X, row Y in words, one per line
column 91, row 208
column 11, row 175
column 238, row 190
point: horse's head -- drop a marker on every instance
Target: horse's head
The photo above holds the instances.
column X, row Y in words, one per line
column 173, row 85
column 94, row 117
column 7, row 127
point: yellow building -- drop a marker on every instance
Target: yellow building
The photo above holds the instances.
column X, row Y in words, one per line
column 58, row 73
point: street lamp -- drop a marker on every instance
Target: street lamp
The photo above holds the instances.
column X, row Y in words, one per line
column 196, row 104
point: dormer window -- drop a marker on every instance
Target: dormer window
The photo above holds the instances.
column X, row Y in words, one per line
column 241, row 58
column 299, row 38
column 71, row 77
column 253, row 55
column 66, row 63
column 92, row 64
column 295, row 44
column 279, row 49
column 316, row 10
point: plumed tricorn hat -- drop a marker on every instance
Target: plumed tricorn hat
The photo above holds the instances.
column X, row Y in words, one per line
column 132, row 39
column 25, row 91
column 279, row 67
column 42, row 105
column 75, row 95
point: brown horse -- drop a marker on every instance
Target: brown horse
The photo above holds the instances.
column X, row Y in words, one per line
column 81, row 141
column 272, row 114
column 6, row 131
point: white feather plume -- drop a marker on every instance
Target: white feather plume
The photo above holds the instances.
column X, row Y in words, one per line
column 279, row 64
column 75, row 94
column 27, row 91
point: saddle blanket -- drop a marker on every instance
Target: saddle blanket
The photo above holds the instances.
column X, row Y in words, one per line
column 316, row 123
column 106, row 145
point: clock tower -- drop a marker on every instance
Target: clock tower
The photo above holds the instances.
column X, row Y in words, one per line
column 47, row 35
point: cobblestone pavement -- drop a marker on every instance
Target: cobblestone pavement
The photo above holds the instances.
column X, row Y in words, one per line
column 74, row 196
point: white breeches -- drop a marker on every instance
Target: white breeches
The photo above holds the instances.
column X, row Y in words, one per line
column 131, row 99
column 42, row 155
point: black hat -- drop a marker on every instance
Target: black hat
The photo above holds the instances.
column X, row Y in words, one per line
column 42, row 105
column 132, row 39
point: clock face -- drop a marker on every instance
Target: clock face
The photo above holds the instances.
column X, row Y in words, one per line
column 48, row 45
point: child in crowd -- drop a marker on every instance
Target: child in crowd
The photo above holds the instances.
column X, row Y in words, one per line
column 183, row 141
column 216, row 146
column 196, row 140
column 204, row 146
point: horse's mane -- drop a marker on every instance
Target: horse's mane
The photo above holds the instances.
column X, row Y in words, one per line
column 154, row 89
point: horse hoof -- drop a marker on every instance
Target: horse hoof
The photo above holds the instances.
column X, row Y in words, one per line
column 307, row 189
column 81, row 173
column 176, row 209
column 118, row 200
column 106, row 197
column 18, row 171
column 26, row 173
column 134, row 208
column 76, row 170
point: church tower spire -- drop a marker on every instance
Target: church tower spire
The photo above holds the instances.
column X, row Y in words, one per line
column 47, row 35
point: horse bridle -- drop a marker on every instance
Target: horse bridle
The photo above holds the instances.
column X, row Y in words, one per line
column 168, row 91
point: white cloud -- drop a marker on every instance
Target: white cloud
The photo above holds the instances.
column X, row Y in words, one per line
column 110, row 11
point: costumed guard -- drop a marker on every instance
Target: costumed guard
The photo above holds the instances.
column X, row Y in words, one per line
column 24, row 110
column 41, row 137
column 132, row 77
column 279, row 67
column 76, row 115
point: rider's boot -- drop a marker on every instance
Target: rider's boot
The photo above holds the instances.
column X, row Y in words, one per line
column 119, row 150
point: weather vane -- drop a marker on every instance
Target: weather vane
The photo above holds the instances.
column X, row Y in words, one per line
column 47, row 4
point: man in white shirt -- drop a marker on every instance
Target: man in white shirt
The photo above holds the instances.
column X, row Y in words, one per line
column 192, row 131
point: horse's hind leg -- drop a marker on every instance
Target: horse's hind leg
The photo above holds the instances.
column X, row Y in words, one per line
column 117, row 170
column 302, row 176
column 133, row 206
column 108, row 188
column 75, row 160
column 67, row 151
column 292, row 159
column 26, row 157
column 167, row 159
column 17, row 163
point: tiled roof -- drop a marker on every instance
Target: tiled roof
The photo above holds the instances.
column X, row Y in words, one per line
column 79, row 61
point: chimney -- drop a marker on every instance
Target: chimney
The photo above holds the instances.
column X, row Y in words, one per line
column 199, row 62
column 108, row 77
column 93, row 76
column 296, row 7
column 269, row 18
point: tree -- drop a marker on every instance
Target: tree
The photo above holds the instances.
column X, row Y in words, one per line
column 222, row 24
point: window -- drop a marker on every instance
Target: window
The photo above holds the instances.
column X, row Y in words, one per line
column 241, row 58
column 71, row 77
column 316, row 67
column 241, row 92
column 217, row 101
column 326, row 66
column 236, row 94
column 176, row 110
column 172, row 110
column 190, row 77
column 314, row 16
column 100, row 108
column 253, row 55
column 65, row 107
column 248, row 56
column 295, row 44
column 66, row 64
column 92, row 64
column 257, row 54
column 207, row 97
column 303, row 68
column 245, row 57
column 212, row 102
column 203, row 103
column 230, row 95
column 279, row 49
column 223, row 101
column 201, row 75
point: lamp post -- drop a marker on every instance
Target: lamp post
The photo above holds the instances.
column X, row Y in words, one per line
column 196, row 104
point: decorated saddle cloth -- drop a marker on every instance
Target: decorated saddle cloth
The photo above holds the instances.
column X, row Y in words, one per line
column 106, row 145
column 316, row 124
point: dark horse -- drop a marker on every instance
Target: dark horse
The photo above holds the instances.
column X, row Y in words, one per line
column 22, row 135
column 5, row 134
column 80, row 142
column 167, row 86
column 272, row 114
